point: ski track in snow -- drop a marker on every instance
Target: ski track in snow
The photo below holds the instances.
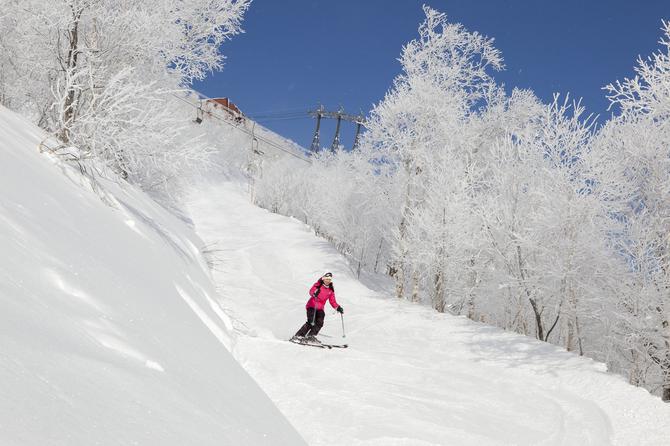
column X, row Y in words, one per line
column 411, row 376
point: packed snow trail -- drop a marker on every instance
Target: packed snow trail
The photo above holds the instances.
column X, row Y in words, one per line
column 410, row 376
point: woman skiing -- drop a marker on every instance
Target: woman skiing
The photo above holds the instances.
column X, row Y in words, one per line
column 322, row 291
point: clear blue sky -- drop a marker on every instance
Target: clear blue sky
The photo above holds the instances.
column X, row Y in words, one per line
column 296, row 54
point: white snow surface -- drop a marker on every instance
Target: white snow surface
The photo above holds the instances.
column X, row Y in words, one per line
column 410, row 376
column 111, row 332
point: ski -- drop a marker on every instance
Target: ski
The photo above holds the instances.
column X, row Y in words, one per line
column 326, row 346
column 337, row 345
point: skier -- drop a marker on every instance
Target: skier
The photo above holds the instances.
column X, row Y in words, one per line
column 322, row 291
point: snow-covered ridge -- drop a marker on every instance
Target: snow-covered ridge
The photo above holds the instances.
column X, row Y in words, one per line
column 110, row 329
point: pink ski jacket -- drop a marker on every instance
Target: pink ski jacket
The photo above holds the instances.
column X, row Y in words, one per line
column 325, row 294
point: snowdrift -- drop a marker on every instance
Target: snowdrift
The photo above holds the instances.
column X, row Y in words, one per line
column 110, row 330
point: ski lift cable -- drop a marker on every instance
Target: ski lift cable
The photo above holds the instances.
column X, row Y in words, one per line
column 257, row 137
column 258, row 118
column 293, row 111
column 299, row 110
column 285, row 118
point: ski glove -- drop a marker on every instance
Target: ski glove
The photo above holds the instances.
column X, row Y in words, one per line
column 340, row 309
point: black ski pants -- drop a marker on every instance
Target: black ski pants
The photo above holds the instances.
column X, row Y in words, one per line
column 313, row 324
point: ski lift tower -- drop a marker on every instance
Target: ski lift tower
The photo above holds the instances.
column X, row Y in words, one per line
column 340, row 115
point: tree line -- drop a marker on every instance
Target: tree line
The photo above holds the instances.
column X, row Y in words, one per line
column 513, row 212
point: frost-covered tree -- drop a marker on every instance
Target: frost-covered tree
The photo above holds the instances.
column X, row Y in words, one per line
column 635, row 147
column 422, row 123
column 504, row 209
column 545, row 226
column 98, row 74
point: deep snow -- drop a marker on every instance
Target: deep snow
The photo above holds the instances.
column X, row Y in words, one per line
column 111, row 332
column 411, row 376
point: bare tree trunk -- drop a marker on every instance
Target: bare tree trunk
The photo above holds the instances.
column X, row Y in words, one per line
column 379, row 251
column 470, row 305
column 472, row 283
column 415, row 286
column 574, row 336
column 635, row 374
column 439, row 301
column 360, row 261
column 665, row 362
column 3, row 96
column 69, row 107
column 533, row 302
column 538, row 318
column 438, row 298
column 402, row 262
column 573, row 340
column 558, row 316
column 399, row 282
column 570, row 336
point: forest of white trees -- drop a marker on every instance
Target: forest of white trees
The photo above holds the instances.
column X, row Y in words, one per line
column 479, row 202
column 494, row 205
column 102, row 76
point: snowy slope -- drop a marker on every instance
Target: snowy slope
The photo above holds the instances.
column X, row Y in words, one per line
column 110, row 330
column 411, row 376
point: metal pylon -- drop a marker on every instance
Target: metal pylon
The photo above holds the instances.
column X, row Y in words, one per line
column 340, row 115
column 336, row 141
column 358, row 132
column 316, row 145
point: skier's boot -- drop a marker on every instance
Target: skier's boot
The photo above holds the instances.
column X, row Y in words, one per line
column 311, row 339
column 298, row 339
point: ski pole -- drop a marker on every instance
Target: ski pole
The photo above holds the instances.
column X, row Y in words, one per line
column 316, row 293
column 343, row 334
column 314, row 317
